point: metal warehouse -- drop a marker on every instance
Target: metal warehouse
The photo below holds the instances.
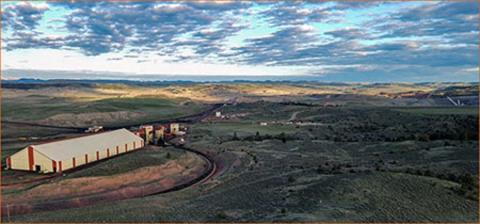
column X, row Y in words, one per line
column 67, row 154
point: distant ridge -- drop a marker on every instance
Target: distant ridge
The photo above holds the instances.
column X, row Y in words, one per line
column 54, row 76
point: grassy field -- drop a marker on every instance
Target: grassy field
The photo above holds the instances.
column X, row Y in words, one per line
column 364, row 159
column 147, row 108
column 372, row 159
column 243, row 129
column 319, row 181
column 442, row 110
column 128, row 162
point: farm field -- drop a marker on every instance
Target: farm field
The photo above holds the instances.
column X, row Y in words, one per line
column 342, row 153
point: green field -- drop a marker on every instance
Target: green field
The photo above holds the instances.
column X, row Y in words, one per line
column 152, row 108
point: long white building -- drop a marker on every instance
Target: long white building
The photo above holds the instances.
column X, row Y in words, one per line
column 67, row 154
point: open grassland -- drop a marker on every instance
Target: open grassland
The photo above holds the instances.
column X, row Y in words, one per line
column 442, row 110
column 327, row 152
column 274, row 181
column 128, row 162
column 226, row 129
column 364, row 164
column 221, row 92
column 72, row 112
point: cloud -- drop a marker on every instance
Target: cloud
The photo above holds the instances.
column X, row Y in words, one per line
column 22, row 16
column 279, row 46
column 344, row 5
column 406, row 37
column 441, row 10
column 349, row 33
column 98, row 28
column 437, row 19
column 297, row 13
column 23, row 40
column 396, row 73
column 219, row 5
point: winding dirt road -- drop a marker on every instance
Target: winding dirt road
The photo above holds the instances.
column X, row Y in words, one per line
column 127, row 192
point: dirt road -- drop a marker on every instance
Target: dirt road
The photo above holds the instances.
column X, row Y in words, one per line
column 11, row 209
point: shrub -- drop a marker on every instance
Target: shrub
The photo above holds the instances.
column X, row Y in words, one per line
column 291, row 179
column 467, row 179
column 320, row 169
column 257, row 136
column 235, row 137
column 221, row 215
column 282, row 137
column 428, row 173
column 423, row 137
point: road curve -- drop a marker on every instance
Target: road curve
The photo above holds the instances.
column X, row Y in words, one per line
column 212, row 168
column 121, row 194
column 9, row 210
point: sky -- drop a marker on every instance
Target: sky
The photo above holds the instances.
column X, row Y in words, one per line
column 335, row 41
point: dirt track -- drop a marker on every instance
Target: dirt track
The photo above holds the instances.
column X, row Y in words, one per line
column 154, row 187
column 159, row 186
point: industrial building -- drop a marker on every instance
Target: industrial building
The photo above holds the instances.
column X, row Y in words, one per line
column 63, row 155
column 158, row 134
column 174, row 128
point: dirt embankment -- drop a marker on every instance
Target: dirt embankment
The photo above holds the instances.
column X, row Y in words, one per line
column 89, row 119
column 167, row 173
column 84, row 191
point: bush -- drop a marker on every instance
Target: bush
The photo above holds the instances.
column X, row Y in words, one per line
column 423, row 137
column 428, row 173
column 282, row 137
column 467, row 179
column 221, row 215
column 235, row 137
column 258, row 137
column 320, row 169
column 291, row 179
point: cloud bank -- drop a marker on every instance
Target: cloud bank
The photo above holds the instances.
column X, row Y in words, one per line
column 346, row 39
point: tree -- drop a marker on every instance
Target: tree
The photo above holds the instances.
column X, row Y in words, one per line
column 283, row 137
column 257, row 136
column 467, row 179
column 221, row 215
column 423, row 137
column 291, row 179
column 235, row 137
